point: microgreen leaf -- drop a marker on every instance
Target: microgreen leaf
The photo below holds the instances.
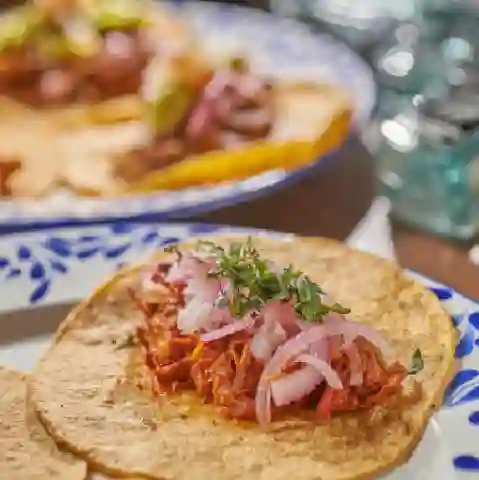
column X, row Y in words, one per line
column 417, row 362
column 173, row 249
column 253, row 282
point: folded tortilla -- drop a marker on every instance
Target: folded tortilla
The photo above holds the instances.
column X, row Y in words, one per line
column 91, row 388
column 311, row 121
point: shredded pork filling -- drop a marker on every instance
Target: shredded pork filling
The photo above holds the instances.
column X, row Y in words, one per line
column 115, row 70
column 338, row 373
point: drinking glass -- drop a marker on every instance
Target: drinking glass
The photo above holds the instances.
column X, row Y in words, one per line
column 425, row 134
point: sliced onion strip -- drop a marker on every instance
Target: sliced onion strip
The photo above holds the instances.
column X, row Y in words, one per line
column 294, row 386
column 245, row 323
column 301, row 343
column 188, row 267
column 194, row 316
column 270, row 335
column 324, row 368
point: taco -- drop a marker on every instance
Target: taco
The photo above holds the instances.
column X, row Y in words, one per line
column 222, row 360
column 208, row 121
column 81, row 61
column 26, row 451
column 229, row 122
column 203, row 122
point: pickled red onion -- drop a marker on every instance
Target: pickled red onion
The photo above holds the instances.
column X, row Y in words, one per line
column 207, row 289
column 271, row 334
column 322, row 367
column 299, row 384
column 352, row 330
column 300, row 344
column 260, row 347
column 282, row 313
column 119, row 45
column 267, row 339
column 200, row 119
column 188, row 267
column 194, row 316
column 221, row 80
column 245, row 323
column 296, row 385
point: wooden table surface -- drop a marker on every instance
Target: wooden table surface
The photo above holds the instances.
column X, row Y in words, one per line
column 331, row 202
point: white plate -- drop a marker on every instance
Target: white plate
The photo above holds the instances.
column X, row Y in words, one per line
column 47, row 268
column 278, row 47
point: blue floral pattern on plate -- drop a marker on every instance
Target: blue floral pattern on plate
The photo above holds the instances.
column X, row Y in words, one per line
column 45, row 267
column 55, row 255
column 279, row 47
column 46, row 261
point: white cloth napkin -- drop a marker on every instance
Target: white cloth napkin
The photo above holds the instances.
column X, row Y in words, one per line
column 373, row 232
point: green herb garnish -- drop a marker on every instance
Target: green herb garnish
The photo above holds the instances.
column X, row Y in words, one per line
column 172, row 249
column 16, row 26
column 118, row 14
column 254, row 282
column 417, row 362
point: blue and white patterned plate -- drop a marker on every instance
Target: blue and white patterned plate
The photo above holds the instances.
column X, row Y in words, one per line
column 64, row 265
column 280, row 47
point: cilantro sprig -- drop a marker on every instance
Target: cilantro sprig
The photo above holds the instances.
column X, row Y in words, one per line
column 254, row 281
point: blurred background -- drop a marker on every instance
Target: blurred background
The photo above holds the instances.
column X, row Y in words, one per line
column 410, row 174
column 421, row 150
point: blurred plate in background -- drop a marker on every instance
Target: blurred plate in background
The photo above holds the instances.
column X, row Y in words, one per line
column 278, row 47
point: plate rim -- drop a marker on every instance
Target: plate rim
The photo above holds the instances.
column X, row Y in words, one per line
column 129, row 226
column 13, row 221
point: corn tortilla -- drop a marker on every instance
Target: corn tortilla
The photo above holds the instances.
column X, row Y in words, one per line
column 117, row 427
column 26, row 451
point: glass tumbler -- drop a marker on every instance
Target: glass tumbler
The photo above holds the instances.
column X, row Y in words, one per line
column 425, row 135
